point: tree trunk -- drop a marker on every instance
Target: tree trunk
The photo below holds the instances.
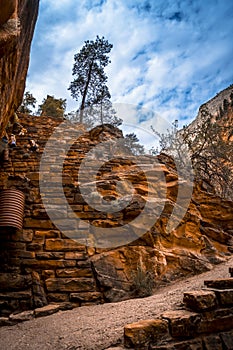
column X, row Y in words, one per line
column 85, row 93
column 101, row 113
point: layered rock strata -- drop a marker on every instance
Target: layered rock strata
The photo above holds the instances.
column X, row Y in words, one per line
column 17, row 23
column 42, row 264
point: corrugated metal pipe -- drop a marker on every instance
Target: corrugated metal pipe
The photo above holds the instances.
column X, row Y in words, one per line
column 12, row 208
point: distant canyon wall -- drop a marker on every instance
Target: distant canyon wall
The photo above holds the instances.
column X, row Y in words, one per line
column 17, row 23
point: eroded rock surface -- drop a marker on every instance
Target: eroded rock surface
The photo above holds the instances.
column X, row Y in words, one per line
column 70, row 272
column 17, row 23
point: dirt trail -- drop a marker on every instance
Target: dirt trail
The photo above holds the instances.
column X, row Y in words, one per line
column 98, row 327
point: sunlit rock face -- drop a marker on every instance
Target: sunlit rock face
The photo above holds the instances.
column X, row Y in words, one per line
column 220, row 109
column 17, row 23
column 41, row 263
column 43, row 260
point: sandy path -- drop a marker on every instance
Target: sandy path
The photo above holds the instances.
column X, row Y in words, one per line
column 98, row 327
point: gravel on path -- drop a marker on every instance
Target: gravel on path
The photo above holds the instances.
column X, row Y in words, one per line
column 98, row 327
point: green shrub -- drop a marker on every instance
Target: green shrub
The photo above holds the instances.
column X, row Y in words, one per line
column 142, row 282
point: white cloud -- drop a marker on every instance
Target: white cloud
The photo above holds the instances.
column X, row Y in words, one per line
column 169, row 55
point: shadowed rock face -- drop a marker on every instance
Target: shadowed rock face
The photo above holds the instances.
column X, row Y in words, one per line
column 8, row 8
column 17, row 23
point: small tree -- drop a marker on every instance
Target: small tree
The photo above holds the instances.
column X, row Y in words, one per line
column 103, row 108
column 52, row 107
column 169, row 139
column 211, row 151
column 89, row 84
column 132, row 143
column 101, row 113
column 28, row 100
column 210, row 144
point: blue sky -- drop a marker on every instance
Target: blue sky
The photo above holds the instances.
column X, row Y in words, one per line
column 169, row 56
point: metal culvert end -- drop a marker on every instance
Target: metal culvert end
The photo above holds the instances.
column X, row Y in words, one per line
column 12, row 208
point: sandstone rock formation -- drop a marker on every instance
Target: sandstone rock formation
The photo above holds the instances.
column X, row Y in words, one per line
column 8, row 8
column 17, row 22
column 214, row 104
column 41, row 263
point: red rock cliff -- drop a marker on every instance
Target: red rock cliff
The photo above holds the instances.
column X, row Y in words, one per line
column 17, row 23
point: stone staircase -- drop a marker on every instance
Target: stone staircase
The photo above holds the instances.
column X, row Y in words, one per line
column 205, row 322
column 26, row 255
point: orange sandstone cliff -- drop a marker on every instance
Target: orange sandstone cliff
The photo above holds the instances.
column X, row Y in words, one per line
column 44, row 263
column 41, row 263
column 17, row 23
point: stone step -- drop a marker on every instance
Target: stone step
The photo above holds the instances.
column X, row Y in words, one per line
column 201, row 300
column 208, row 331
column 224, row 296
column 226, row 283
column 182, row 323
column 47, row 310
column 140, row 334
column 210, row 342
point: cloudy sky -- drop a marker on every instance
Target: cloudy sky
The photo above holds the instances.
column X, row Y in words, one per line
column 169, row 56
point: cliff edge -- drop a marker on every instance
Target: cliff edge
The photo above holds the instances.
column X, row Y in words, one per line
column 17, row 23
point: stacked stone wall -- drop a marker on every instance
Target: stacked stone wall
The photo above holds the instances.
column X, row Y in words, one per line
column 42, row 264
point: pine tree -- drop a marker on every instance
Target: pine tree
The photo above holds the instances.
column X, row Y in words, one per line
column 28, row 100
column 89, row 84
column 131, row 141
